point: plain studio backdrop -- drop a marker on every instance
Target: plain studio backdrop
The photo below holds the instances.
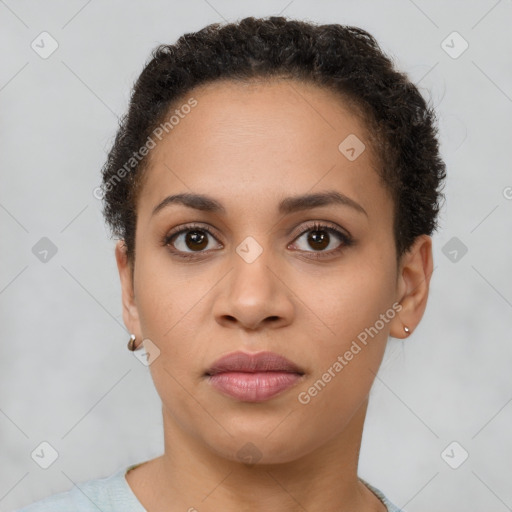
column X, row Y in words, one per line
column 438, row 431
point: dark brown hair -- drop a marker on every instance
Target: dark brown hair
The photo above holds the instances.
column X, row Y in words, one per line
column 345, row 59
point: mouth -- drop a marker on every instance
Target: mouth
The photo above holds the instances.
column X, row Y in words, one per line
column 253, row 377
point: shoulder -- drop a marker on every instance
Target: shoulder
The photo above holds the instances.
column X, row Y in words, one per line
column 390, row 506
column 105, row 494
column 60, row 503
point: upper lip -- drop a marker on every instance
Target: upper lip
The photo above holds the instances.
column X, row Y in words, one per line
column 251, row 363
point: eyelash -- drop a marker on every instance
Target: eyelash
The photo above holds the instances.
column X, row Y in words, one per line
column 346, row 240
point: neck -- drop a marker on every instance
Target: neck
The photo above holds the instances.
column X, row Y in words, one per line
column 194, row 477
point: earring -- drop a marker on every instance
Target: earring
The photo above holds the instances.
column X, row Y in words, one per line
column 407, row 330
column 131, row 343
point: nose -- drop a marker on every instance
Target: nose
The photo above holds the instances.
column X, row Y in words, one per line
column 255, row 296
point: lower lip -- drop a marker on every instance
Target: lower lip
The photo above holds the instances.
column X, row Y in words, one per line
column 253, row 387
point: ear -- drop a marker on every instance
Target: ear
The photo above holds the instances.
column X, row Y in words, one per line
column 415, row 270
column 130, row 312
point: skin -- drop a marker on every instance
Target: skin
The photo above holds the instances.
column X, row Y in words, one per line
column 249, row 146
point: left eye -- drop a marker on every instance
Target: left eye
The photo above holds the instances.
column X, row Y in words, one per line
column 319, row 237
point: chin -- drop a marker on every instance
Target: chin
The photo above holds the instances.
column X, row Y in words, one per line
column 259, row 448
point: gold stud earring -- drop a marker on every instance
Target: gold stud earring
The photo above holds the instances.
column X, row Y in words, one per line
column 131, row 343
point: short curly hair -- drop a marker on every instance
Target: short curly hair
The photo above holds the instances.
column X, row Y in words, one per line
column 344, row 59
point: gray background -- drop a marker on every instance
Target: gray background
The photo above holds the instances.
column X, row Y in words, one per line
column 66, row 376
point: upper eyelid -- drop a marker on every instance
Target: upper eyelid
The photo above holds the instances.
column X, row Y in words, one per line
column 190, row 227
column 305, row 227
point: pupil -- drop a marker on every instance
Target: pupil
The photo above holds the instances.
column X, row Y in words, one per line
column 317, row 240
column 196, row 237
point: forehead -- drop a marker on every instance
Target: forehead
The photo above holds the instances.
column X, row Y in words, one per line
column 263, row 138
column 258, row 111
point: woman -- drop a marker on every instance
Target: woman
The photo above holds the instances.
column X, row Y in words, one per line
column 274, row 188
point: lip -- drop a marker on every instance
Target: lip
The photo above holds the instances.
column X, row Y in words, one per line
column 253, row 377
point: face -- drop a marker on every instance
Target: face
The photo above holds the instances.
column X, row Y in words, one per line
column 254, row 269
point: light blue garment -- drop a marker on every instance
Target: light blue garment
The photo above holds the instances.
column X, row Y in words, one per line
column 113, row 494
column 380, row 495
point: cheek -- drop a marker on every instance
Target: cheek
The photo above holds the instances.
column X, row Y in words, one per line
column 166, row 312
column 345, row 363
column 357, row 306
column 166, row 304
column 352, row 298
column 163, row 292
column 173, row 311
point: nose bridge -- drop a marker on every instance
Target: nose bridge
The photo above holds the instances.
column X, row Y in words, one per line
column 253, row 282
column 254, row 292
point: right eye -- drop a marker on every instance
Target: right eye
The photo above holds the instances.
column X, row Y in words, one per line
column 188, row 240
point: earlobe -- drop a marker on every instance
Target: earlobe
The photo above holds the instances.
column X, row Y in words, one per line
column 130, row 312
column 413, row 286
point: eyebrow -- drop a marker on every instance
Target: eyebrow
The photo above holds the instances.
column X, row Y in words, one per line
column 285, row 207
